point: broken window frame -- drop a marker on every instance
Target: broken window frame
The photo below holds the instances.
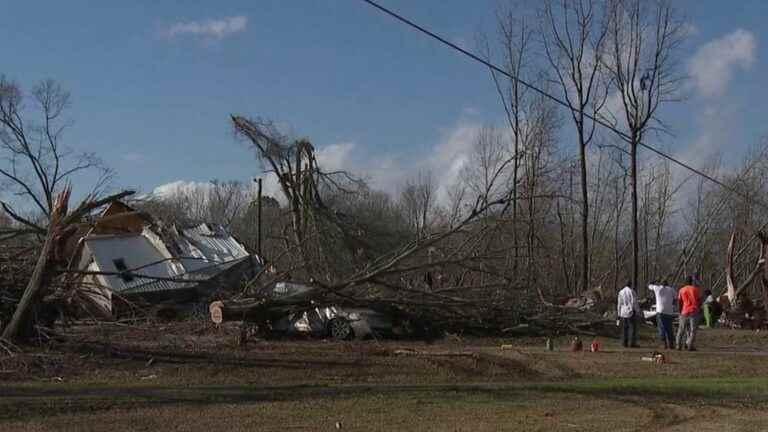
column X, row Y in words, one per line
column 122, row 269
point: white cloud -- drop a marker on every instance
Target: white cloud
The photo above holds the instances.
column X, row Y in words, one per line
column 180, row 187
column 714, row 64
column 330, row 158
column 335, row 156
column 270, row 187
column 208, row 29
column 387, row 172
column 714, row 133
column 449, row 156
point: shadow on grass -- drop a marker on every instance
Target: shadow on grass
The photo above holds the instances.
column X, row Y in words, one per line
column 25, row 401
column 192, row 358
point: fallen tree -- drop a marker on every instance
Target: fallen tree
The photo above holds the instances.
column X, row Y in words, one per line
column 252, row 309
column 30, row 310
column 455, row 276
column 740, row 311
column 558, row 322
column 24, row 316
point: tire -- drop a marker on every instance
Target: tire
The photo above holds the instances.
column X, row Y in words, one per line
column 340, row 329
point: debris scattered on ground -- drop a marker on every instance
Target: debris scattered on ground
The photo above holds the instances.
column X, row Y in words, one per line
column 655, row 357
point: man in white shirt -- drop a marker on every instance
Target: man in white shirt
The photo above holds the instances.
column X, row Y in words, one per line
column 628, row 309
column 665, row 311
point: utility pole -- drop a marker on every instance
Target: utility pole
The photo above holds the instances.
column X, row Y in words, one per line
column 258, row 227
column 258, row 207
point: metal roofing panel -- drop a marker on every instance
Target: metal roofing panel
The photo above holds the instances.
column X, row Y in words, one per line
column 187, row 280
column 215, row 243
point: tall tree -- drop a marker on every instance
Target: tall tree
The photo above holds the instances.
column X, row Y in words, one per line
column 516, row 36
column 574, row 38
column 643, row 42
column 543, row 126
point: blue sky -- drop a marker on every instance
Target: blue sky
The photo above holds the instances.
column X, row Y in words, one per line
column 153, row 83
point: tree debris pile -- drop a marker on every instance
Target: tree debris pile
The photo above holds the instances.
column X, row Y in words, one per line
column 464, row 273
column 559, row 322
column 16, row 264
column 418, row 314
column 739, row 310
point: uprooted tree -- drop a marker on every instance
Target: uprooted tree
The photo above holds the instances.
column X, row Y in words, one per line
column 739, row 305
column 35, row 173
column 51, row 262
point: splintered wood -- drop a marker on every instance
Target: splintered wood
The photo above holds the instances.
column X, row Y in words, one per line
column 20, row 324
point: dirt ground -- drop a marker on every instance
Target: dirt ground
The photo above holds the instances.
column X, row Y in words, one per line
column 194, row 376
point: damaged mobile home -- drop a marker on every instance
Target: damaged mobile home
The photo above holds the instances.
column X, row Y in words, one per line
column 126, row 256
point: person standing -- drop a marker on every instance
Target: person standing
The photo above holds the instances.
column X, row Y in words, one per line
column 708, row 308
column 665, row 312
column 627, row 309
column 689, row 299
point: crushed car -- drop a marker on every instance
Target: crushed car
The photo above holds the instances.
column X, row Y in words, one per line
column 336, row 322
column 294, row 308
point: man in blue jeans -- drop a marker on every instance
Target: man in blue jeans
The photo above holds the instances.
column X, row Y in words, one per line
column 665, row 312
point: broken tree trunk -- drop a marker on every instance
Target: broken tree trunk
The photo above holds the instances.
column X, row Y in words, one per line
column 729, row 276
column 252, row 309
column 735, row 289
column 21, row 323
column 260, row 308
column 764, row 279
column 235, row 310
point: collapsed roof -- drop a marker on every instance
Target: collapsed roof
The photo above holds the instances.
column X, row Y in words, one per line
column 127, row 252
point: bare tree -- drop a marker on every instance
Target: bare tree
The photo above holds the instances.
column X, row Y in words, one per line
column 516, row 38
column 574, row 41
column 227, row 200
column 35, row 163
column 324, row 241
column 619, row 190
column 543, row 124
column 487, row 171
column 453, row 210
column 566, row 223
column 417, row 201
column 642, row 60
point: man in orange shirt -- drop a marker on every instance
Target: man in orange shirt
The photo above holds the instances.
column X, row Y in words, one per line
column 688, row 300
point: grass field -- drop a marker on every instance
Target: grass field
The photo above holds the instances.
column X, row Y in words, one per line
column 202, row 382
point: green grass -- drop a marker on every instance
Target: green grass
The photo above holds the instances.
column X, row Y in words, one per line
column 755, row 389
column 585, row 404
column 310, row 385
column 606, row 404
